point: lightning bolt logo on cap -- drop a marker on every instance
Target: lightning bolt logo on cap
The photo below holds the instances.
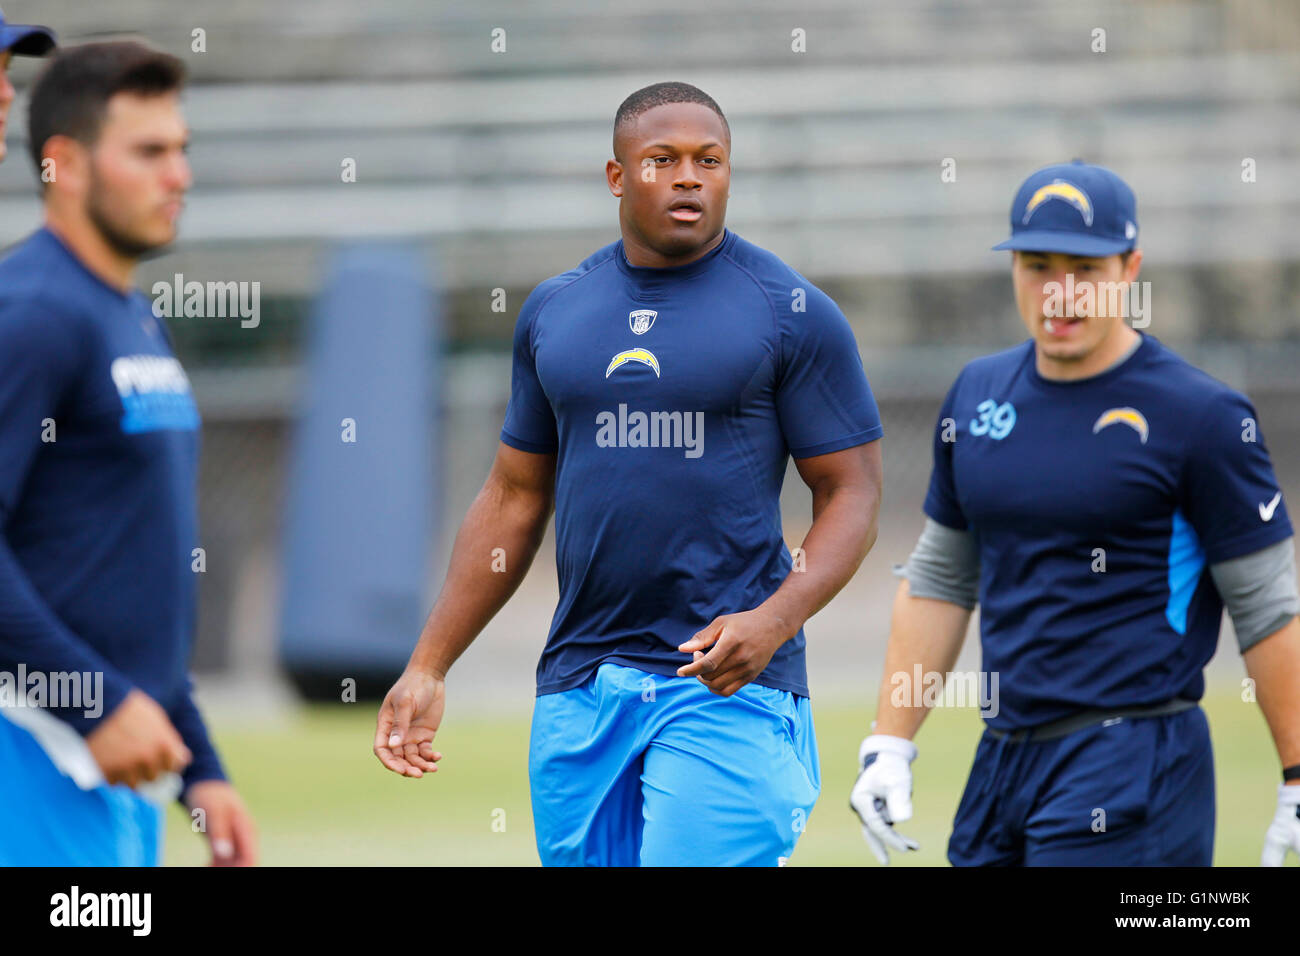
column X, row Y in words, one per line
column 1067, row 192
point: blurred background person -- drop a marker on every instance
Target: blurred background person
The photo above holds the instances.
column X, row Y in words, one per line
column 98, row 459
column 17, row 40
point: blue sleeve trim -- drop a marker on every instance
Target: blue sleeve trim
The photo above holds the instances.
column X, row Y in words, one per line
column 528, row 446
column 839, row 444
column 955, row 520
column 1255, row 540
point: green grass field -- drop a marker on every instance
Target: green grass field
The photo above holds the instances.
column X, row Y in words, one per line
column 321, row 798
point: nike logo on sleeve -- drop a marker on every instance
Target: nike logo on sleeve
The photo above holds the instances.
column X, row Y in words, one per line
column 1266, row 510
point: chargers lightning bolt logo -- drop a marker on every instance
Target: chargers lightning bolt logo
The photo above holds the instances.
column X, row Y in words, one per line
column 1123, row 416
column 644, row 356
column 1066, row 192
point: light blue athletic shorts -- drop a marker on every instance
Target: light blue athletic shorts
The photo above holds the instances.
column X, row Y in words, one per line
column 47, row 820
column 634, row 768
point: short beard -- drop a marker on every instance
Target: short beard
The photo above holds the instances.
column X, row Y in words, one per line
column 122, row 243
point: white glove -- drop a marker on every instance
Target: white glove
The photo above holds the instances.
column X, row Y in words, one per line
column 883, row 794
column 1284, row 832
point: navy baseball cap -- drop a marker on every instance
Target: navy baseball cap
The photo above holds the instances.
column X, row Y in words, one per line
column 1075, row 208
column 25, row 40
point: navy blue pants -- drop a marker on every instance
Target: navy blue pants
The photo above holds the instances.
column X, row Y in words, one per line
column 1130, row 792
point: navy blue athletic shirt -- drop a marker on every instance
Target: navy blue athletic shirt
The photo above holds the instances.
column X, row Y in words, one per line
column 99, row 524
column 673, row 399
column 1098, row 505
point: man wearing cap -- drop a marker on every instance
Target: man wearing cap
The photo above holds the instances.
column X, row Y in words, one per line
column 1102, row 500
column 17, row 40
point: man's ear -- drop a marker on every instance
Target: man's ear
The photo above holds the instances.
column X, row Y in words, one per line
column 65, row 165
column 614, row 177
column 1133, row 266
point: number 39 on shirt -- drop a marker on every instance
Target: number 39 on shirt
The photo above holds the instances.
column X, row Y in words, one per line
column 995, row 420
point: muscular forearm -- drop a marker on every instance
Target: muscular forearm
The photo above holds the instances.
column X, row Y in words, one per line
column 842, row 532
column 494, row 548
column 926, row 632
column 1274, row 666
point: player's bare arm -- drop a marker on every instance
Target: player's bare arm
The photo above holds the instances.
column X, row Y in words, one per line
column 926, row 631
column 1274, row 665
column 845, row 488
column 923, row 631
column 510, row 513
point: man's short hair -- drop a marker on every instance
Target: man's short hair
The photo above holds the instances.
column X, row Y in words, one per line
column 660, row 94
column 70, row 97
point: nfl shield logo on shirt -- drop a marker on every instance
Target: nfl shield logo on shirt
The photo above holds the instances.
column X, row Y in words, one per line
column 641, row 320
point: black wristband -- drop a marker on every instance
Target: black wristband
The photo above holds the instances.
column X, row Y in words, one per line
column 1291, row 773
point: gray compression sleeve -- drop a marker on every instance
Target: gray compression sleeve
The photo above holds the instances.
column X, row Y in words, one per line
column 945, row 565
column 1259, row 590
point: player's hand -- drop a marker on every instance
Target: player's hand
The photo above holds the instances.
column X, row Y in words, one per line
column 408, row 721
column 1284, row 832
column 227, row 824
column 883, row 794
column 742, row 646
column 137, row 742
